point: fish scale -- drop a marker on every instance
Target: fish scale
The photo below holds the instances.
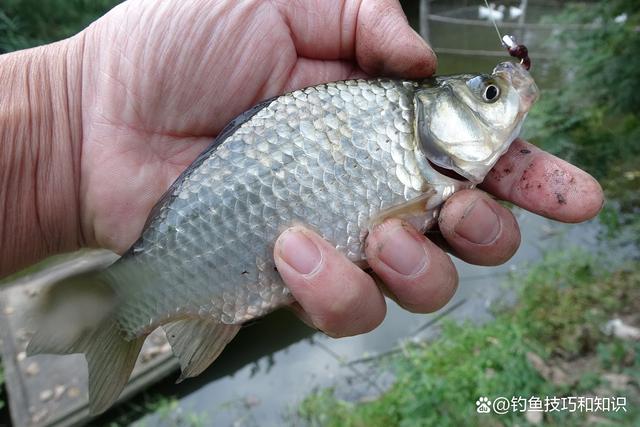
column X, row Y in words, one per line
column 316, row 168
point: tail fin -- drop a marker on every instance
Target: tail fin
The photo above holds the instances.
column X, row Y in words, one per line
column 75, row 316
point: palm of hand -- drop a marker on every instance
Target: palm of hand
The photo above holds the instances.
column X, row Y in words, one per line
column 157, row 90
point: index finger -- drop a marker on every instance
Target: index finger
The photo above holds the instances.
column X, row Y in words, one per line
column 544, row 184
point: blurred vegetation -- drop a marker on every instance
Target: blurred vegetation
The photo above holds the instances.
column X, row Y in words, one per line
column 551, row 343
column 592, row 119
column 28, row 23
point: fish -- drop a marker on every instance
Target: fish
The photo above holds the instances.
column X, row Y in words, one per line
column 338, row 157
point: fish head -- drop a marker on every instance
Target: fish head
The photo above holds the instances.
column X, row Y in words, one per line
column 466, row 122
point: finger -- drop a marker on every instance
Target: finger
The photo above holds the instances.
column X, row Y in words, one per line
column 544, row 184
column 338, row 297
column 374, row 32
column 478, row 229
column 417, row 274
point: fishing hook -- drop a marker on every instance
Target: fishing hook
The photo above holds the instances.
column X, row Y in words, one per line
column 516, row 50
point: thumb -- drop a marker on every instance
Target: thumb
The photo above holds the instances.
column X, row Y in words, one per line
column 386, row 44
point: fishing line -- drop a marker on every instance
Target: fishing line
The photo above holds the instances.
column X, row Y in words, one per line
column 493, row 21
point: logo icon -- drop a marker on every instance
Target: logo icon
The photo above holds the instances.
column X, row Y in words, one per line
column 483, row 405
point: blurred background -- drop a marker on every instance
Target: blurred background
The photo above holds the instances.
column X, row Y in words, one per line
column 560, row 319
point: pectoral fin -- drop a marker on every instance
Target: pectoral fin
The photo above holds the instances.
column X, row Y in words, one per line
column 417, row 212
column 197, row 343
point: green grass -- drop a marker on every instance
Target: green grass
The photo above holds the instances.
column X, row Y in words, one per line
column 563, row 303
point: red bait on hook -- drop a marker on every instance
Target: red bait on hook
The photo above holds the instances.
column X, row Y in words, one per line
column 516, row 50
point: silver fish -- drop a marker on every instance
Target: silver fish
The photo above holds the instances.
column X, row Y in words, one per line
column 338, row 157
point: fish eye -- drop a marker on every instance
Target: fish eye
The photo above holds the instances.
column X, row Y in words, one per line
column 491, row 93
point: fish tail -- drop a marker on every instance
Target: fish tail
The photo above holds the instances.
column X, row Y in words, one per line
column 76, row 315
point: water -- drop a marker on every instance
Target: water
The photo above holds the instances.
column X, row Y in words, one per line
column 271, row 366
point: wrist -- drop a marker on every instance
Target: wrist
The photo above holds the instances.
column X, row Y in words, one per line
column 40, row 147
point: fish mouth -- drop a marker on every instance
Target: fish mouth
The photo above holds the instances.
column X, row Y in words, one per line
column 449, row 173
column 521, row 81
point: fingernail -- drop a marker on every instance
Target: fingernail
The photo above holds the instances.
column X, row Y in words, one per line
column 402, row 252
column 299, row 252
column 479, row 224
